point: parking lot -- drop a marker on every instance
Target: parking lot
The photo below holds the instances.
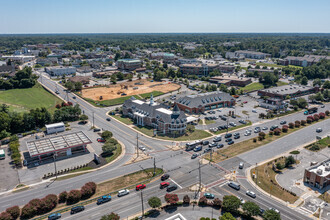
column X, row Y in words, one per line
column 9, row 177
column 35, row 169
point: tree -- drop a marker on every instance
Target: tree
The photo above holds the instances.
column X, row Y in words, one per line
column 304, row 81
column 186, row 199
column 217, row 202
column 83, row 118
column 289, row 161
column 171, row 198
column 108, row 148
column 251, row 209
column 202, row 201
column 113, row 79
column 5, row 216
column 154, row 202
column 106, row 134
column 227, row 216
column 231, row 203
column 271, row 215
column 14, row 212
column 62, row 197
column 120, row 76
column 4, row 108
column 111, row 216
column 139, row 75
column 74, row 196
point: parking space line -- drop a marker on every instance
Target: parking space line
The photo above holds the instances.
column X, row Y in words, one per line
column 176, row 183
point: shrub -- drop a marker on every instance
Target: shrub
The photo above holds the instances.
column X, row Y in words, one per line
column 297, row 125
column 309, row 120
column 217, row 202
column 262, row 135
column 28, row 211
column 254, row 140
column 327, row 112
column 37, row 204
column 202, row 201
column 49, row 203
column 62, row 197
column 5, row 216
column 279, row 166
column 322, row 115
column 291, row 125
column 271, row 133
column 186, row 199
column 74, row 196
column 171, row 198
column 303, row 122
column 316, row 117
column 88, row 190
column 289, row 161
column 14, row 211
column 285, row 129
column 277, row 131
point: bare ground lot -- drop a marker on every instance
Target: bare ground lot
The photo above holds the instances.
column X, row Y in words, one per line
column 129, row 88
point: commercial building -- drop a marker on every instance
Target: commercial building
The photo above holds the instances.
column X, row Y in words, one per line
column 272, row 103
column 153, row 114
column 198, row 68
column 200, row 103
column 252, row 54
column 60, row 145
column 226, row 68
column 19, row 58
column 166, row 57
column 47, row 61
column 5, row 69
column 83, row 79
column 318, row 175
column 55, row 128
column 129, row 64
column 60, row 70
column 231, row 80
column 293, row 91
column 304, row 61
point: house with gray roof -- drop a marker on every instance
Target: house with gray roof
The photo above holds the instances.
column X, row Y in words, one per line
column 196, row 104
column 157, row 116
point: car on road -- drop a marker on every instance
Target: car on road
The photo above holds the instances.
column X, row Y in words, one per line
column 100, row 140
column 108, row 119
column 254, row 111
column 77, row 209
column 165, row 177
column 318, row 130
column 216, row 139
column 103, row 199
column 228, row 139
column 220, row 146
column 275, row 210
column 198, row 148
column 234, row 185
column 164, row 185
column 123, row 192
column 209, row 195
column 140, row 186
column 54, row 216
column 207, row 150
column 265, row 128
column 241, row 165
column 142, row 148
column 283, row 122
column 322, row 106
column 251, row 194
column 194, row 156
column 171, row 188
column 231, row 142
column 96, row 129
column 228, row 135
column 74, row 97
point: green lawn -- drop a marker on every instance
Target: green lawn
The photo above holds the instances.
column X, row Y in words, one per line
column 154, row 93
column 22, row 100
column 125, row 120
column 252, row 87
column 270, row 65
column 196, row 135
column 281, row 83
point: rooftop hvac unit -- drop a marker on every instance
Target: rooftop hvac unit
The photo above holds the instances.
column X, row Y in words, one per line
column 327, row 168
column 319, row 171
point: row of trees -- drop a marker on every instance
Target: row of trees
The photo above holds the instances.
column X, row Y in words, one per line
column 13, row 122
column 22, row 79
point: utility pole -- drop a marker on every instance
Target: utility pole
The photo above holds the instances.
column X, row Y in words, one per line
column 211, row 153
column 257, row 173
column 93, row 119
column 199, row 179
column 54, row 157
column 137, row 144
column 154, row 166
column 227, row 124
column 142, row 203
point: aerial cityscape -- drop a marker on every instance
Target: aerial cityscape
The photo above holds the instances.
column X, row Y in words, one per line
column 167, row 110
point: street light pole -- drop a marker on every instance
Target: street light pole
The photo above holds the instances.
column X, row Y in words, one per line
column 142, row 203
column 93, row 119
column 54, row 157
column 137, row 144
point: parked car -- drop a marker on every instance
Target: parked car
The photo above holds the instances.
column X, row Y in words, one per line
column 103, row 199
column 213, row 144
column 237, row 137
column 54, row 216
column 96, row 129
column 251, row 194
column 220, row 146
column 254, row 111
column 228, row 139
column 265, row 128
column 273, row 127
column 228, row 135
column 241, row 165
column 318, row 130
column 123, row 192
column 100, row 140
column 171, row 188
column 76, row 209
column 241, row 199
column 194, row 156
column 216, row 139
column 209, row 195
column 165, row 177
column 108, row 119
column 198, row 148
column 231, row 142
column 140, row 186
column 164, row 185
column 207, row 150
column 206, row 142
column 283, row 122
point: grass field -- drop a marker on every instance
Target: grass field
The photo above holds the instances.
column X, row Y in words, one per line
column 148, row 95
column 125, row 120
column 270, row 65
column 266, row 181
column 319, row 145
column 252, row 87
column 22, row 100
column 281, row 83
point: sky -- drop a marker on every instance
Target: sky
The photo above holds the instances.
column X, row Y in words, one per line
column 164, row 16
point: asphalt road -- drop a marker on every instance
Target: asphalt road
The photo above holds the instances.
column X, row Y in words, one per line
column 183, row 170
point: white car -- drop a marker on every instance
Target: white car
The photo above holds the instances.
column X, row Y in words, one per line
column 123, row 192
column 318, row 130
column 250, row 193
column 247, row 134
column 142, row 148
column 242, row 200
column 253, row 110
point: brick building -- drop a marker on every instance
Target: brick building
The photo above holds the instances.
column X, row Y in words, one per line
column 318, row 175
column 231, row 81
column 293, row 91
column 200, row 103
column 129, row 64
column 304, row 61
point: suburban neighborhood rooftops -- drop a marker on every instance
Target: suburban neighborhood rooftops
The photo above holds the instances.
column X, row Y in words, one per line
column 56, row 143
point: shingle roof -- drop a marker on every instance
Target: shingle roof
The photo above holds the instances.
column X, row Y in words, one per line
column 204, row 99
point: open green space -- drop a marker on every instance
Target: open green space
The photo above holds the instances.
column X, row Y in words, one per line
column 148, row 95
column 196, row 135
column 252, row 87
column 125, row 120
column 234, row 128
column 281, row 83
column 319, row 145
column 270, row 65
column 22, row 100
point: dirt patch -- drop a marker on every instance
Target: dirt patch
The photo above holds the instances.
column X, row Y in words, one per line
column 129, row 88
column 135, row 158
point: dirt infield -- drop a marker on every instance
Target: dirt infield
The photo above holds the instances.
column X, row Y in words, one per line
column 129, row 88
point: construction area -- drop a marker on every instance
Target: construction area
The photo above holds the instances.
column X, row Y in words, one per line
column 128, row 89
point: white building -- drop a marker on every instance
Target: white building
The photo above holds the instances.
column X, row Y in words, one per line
column 55, row 128
column 60, row 70
column 19, row 58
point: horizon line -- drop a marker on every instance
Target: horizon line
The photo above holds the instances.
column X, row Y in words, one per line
column 165, row 33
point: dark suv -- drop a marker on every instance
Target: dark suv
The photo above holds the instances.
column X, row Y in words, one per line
column 77, row 209
column 165, row 176
column 171, row 188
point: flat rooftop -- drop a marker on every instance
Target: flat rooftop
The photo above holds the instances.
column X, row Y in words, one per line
column 230, row 78
column 287, row 89
column 322, row 168
column 57, row 143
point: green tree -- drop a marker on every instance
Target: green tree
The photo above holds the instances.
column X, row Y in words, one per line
column 231, row 203
column 4, row 121
column 251, row 209
column 271, row 215
column 304, row 81
column 113, row 79
column 106, row 135
column 139, row 75
column 111, row 216
column 120, row 76
column 83, row 118
column 289, row 161
column 227, row 216
column 108, row 148
column 154, row 202
column 4, row 108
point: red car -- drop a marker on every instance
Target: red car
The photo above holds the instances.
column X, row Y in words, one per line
column 245, row 102
column 164, row 184
column 140, row 186
column 100, row 140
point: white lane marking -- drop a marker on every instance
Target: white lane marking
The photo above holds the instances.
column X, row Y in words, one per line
column 176, row 183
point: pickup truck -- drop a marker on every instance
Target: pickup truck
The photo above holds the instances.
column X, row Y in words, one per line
column 103, row 199
column 2, row 154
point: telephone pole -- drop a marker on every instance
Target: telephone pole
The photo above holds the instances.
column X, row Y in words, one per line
column 137, row 144
column 93, row 119
column 142, row 203
column 154, row 166
column 54, row 157
column 199, row 180
column 211, row 153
